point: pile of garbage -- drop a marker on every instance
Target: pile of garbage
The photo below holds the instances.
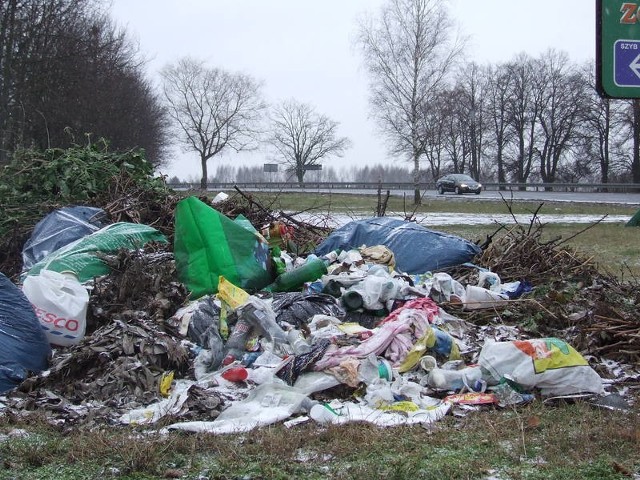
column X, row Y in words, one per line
column 225, row 323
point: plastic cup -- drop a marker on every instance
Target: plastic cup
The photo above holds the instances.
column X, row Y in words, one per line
column 322, row 414
column 428, row 363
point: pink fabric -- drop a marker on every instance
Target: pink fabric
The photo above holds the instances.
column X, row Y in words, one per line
column 377, row 344
column 424, row 304
column 393, row 339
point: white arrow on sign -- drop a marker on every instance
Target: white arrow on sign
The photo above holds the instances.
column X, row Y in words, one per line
column 635, row 66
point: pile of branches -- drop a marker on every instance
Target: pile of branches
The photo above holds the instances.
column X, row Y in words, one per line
column 39, row 182
column 573, row 297
column 121, row 183
column 521, row 253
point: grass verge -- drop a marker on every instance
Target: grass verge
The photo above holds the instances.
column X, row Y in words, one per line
column 537, row 441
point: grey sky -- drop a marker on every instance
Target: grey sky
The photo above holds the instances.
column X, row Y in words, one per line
column 303, row 49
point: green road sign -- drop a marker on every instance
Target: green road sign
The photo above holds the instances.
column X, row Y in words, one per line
column 618, row 48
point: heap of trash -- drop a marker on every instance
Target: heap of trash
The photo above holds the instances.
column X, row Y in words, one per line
column 241, row 318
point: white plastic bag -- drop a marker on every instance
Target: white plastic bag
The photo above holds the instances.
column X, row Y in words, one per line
column 60, row 302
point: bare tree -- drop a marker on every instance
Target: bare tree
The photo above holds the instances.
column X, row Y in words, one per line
column 408, row 52
column 522, row 112
column 498, row 90
column 434, row 130
column 474, row 83
column 303, row 138
column 456, row 138
column 214, row 110
column 601, row 128
column 562, row 94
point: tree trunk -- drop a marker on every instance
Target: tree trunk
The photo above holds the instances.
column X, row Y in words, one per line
column 203, row 180
column 417, row 198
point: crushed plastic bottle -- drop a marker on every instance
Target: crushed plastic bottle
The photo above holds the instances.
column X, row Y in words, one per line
column 298, row 342
column 507, row 395
column 259, row 314
column 443, row 379
column 235, row 346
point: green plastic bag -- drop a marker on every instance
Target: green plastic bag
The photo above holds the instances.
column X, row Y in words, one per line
column 635, row 220
column 80, row 258
column 208, row 244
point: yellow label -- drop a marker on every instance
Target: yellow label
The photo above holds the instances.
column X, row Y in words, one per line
column 230, row 294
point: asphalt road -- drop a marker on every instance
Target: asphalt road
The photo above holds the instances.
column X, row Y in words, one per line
column 617, row 198
column 621, row 198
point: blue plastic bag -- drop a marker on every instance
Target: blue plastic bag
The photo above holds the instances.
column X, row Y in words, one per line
column 24, row 347
column 416, row 248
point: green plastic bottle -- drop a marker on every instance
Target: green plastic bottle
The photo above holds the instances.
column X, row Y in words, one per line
column 295, row 279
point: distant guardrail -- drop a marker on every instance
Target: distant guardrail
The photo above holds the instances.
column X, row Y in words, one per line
column 409, row 186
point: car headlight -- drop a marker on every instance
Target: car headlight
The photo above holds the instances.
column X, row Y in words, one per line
column 464, row 185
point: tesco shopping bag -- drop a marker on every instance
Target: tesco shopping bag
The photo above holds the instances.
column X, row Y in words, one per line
column 60, row 302
column 549, row 364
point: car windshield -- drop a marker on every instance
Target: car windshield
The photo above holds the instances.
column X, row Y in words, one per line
column 463, row 178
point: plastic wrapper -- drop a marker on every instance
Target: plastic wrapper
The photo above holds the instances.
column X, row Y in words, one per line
column 266, row 404
column 200, row 321
column 208, row 244
column 80, row 257
column 60, row 228
column 60, row 303
column 549, row 364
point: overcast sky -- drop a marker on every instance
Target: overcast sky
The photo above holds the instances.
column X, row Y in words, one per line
column 303, row 49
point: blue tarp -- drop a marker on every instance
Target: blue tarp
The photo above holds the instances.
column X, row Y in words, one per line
column 416, row 248
column 24, row 347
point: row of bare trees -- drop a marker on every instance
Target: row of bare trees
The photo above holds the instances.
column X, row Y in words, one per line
column 526, row 119
column 66, row 72
column 229, row 173
column 216, row 111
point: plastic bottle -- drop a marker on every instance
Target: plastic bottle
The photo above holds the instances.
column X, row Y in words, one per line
column 489, row 280
column 294, row 280
column 235, row 374
column 352, row 300
column 443, row 379
column 235, row 346
column 298, row 342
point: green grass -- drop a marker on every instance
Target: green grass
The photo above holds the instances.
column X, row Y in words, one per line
column 612, row 246
column 325, row 202
column 566, row 441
